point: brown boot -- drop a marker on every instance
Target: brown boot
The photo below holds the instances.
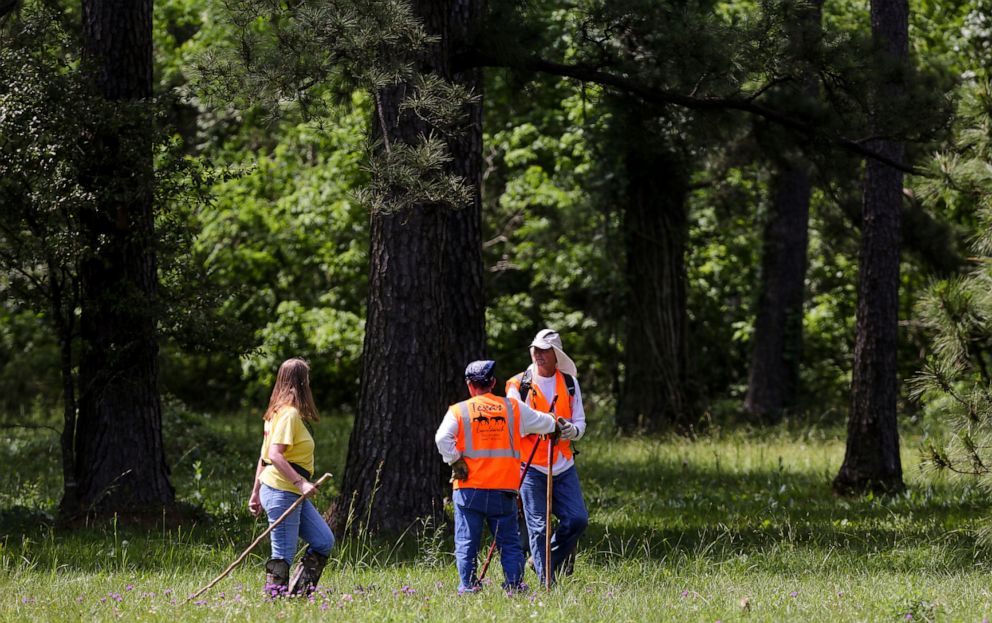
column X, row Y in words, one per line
column 307, row 574
column 276, row 577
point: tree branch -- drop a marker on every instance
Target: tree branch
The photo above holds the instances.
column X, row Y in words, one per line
column 659, row 96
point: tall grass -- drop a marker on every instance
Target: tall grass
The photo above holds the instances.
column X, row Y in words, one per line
column 737, row 525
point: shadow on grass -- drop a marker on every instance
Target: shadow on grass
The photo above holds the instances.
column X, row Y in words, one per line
column 654, row 506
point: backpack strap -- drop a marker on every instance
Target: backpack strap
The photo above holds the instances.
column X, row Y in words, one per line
column 569, row 384
column 527, row 379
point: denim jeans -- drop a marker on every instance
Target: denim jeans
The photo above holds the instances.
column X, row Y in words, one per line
column 566, row 504
column 498, row 509
column 305, row 522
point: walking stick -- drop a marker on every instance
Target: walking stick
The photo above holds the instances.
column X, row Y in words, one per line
column 245, row 553
column 530, row 459
column 547, row 516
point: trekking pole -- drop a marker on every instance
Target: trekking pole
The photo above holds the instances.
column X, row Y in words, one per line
column 547, row 517
column 530, row 459
column 254, row 543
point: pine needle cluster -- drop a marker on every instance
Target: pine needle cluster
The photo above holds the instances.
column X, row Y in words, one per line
column 311, row 56
column 956, row 381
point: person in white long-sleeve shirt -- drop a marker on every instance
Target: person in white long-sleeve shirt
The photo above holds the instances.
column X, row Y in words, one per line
column 480, row 438
column 550, row 384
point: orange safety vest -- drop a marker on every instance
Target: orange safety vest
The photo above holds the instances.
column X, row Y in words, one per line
column 489, row 441
column 539, row 402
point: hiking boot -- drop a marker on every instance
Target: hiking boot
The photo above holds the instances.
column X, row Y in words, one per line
column 276, row 577
column 307, row 574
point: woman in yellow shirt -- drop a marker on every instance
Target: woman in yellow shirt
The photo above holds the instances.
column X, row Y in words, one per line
column 283, row 474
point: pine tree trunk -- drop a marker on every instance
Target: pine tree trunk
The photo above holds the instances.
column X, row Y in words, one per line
column 654, row 394
column 773, row 378
column 872, row 461
column 465, row 304
column 425, row 319
column 778, row 327
column 120, row 459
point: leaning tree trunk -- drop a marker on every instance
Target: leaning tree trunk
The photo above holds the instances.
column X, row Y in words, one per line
column 120, row 459
column 425, row 318
column 871, row 461
column 778, row 327
column 773, row 378
column 655, row 393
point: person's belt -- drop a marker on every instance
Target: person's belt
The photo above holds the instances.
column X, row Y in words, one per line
column 299, row 469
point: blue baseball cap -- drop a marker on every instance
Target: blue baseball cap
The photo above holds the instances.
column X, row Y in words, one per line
column 482, row 371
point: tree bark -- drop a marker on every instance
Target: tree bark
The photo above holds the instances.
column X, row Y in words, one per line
column 872, row 461
column 654, row 394
column 120, row 459
column 425, row 316
column 465, row 303
column 773, row 380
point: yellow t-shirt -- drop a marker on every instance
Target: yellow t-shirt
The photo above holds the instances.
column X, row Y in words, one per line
column 286, row 427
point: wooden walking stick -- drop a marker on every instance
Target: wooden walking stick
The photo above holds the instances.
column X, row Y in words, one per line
column 254, row 543
column 530, row 459
column 547, row 517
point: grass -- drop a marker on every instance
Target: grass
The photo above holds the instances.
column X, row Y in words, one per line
column 732, row 526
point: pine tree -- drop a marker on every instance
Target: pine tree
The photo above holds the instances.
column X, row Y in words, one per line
column 957, row 379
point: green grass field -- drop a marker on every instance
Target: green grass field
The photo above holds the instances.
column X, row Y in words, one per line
column 681, row 530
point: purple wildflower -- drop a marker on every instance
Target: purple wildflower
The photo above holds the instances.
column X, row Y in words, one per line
column 685, row 593
column 167, row 592
column 794, row 594
column 79, row 599
column 129, row 587
column 909, row 615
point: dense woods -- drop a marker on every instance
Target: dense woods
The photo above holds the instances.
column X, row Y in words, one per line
column 728, row 209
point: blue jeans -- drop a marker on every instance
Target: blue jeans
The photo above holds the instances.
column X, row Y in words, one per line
column 566, row 504
column 305, row 522
column 498, row 508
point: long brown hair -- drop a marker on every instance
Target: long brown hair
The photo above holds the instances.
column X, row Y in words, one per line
column 292, row 389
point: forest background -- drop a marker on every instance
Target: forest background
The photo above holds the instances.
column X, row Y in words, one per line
column 737, row 214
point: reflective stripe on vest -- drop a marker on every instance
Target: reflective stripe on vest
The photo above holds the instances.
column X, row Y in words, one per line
column 511, row 429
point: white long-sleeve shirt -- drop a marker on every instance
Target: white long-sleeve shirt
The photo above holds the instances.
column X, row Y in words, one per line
column 531, row 422
column 548, row 387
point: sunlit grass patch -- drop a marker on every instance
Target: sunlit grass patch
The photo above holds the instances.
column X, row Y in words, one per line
column 734, row 525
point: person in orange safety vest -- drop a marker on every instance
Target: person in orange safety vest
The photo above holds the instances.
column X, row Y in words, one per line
column 550, row 384
column 480, row 438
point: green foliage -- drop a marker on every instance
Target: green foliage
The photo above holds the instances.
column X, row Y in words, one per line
column 314, row 56
column 956, row 383
column 288, row 243
column 551, row 250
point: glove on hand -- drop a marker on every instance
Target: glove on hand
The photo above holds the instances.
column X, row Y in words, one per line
column 567, row 429
column 459, row 470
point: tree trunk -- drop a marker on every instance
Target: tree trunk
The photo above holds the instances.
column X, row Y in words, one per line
column 778, row 327
column 465, row 304
column 425, row 317
column 120, row 459
column 773, row 379
column 654, row 394
column 871, row 461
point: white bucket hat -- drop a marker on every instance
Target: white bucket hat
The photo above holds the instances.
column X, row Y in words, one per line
column 549, row 338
